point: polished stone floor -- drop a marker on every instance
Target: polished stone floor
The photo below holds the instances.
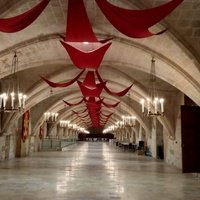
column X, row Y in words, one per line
column 94, row 171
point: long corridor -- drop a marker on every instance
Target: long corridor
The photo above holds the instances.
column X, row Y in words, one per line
column 94, row 171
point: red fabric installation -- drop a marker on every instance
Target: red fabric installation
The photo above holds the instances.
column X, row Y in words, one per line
column 89, row 80
column 119, row 94
column 79, row 112
column 83, row 116
column 110, row 105
column 80, row 42
column 92, row 103
column 135, row 23
column 78, row 25
column 74, row 104
column 91, row 92
column 17, row 23
column 106, row 115
column 86, row 59
column 66, row 84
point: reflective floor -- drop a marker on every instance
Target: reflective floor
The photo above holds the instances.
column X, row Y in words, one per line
column 94, row 171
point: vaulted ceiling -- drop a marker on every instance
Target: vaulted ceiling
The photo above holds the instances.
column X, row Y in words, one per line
column 127, row 61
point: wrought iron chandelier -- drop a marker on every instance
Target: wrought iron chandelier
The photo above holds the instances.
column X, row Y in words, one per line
column 66, row 124
column 13, row 100
column 153, row 103
column 128, row 121
column 50, row 117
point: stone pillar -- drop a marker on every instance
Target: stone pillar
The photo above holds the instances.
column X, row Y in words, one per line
column 132, row 136
column 153, row 145
column 45, row 130
column 2, row 148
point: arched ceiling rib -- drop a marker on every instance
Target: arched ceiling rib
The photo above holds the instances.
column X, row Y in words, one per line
column 126, row 60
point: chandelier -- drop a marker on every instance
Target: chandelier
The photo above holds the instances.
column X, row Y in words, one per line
column 129, row 121
column 66, row 124
column 154, row 104
column 50, row 117
column 12, row 100
column 110, row 128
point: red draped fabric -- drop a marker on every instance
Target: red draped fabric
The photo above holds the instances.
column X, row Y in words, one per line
column 135, row 23
column 74, row 104
column 91, row 102
column 80, row 42
column 106, row 115
column 79, row 112
column 78, row 25
column 66, row 84
column 94, row 106
column 19, row 22
column 119, row 94
column 86, row 59
column 110, row 105
column 89, row 80
column 91, row 92
column 83, row 117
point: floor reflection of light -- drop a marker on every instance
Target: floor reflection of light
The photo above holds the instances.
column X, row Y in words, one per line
column 112, row 169
column 65, row 179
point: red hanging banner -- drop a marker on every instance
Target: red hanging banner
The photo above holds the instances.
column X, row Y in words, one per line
column 86, row 59
column 78, row 25
column 80, row 41
column 110, row 105
column 66, row 84
column 17, row 23
column 25, row 125
column 79, row 112
column 91, row 92
column 89, row 80
column 74, row 104
column 119, row 94
column 135, row 23
column 41, row 132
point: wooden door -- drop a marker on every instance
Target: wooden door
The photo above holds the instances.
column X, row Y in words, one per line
column 190, row 128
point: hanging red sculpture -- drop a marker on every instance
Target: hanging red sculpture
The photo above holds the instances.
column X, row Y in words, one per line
column 19, row 22
column 135, row 23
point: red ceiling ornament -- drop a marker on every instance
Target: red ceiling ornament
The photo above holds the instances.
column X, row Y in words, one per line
column 74, row 104
column 91, row 92
column 83, row 117
column 89, row 80
column 110, row 105
column 106, row 115
column 79, row 112
column 80, row 42
column 66, row 84
column 86, row 51
column 86, row 59
column 119, row 94
column 91, row 102
column 19, row 22
column 135, row 23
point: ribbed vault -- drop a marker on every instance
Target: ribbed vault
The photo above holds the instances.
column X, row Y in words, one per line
column 127, row 61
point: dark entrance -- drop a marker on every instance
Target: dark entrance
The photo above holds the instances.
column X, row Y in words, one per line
column 190, row 128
